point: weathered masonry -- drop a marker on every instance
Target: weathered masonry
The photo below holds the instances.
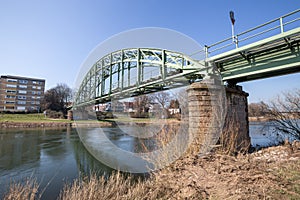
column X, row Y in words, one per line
column 218, row 113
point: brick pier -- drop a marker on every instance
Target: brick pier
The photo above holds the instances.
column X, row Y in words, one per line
column 218, row 114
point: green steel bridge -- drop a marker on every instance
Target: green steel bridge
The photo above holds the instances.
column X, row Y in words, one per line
column 268, row 50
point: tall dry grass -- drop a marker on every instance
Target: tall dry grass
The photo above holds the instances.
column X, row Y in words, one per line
column 170, row 145
column 23, row 191
column 232, row 142
column 118, row 187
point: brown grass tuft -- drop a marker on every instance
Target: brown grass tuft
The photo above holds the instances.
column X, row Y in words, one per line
column 117, row 186
column 26, row 191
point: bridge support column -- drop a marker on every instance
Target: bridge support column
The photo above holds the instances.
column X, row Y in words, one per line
column 207, row 102
column 70, row 115
column 235, row 135
column 204, row 104
column 80, row 114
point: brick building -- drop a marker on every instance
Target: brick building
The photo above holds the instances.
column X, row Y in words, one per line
column 21, row 93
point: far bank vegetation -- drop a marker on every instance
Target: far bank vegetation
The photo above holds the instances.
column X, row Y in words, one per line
column 283, row 112
column 56, row 100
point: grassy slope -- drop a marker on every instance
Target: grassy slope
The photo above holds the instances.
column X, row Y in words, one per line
column 32, row 118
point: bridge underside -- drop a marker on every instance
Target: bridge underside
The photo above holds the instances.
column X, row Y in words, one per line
column 275, row 56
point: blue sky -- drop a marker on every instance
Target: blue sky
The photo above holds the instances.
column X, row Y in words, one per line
column 50, row 39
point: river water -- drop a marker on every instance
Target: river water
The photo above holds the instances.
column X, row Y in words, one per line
column 55, row 157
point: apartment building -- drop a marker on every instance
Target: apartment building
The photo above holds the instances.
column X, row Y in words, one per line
column 21, row 93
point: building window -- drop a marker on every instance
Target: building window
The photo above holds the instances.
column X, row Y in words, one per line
column 12, row 80
column 11, row 91
column 22, row 102
column 37, row 102
column 9, row 102
column 9, row 107
column 20, row 107
column 22, row 86
column 9, row 97
column 39, row 93
column 11, row 86
column 23, row 81
column 37, row 82
column 33, row 92
column 36, row 87
column 22, row 92
column 32, row 102
column 21, row 97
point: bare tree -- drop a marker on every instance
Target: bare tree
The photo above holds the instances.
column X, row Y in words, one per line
column 141, row 105
column 57, row 98
column 174, row 103
column 163, row 99
column 257, row 109
column 284, row 113
column 64, row 92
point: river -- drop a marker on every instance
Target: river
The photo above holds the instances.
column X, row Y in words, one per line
column 55, row 157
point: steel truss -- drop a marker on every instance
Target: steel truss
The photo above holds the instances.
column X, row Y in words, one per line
column 135, row 71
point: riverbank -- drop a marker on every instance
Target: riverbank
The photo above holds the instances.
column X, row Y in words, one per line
column 39, row 120
column 54, row 124
column 259, row 119
column 271, row 173
column 9, row 124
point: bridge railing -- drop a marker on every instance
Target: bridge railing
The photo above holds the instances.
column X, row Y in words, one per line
column 268, row 29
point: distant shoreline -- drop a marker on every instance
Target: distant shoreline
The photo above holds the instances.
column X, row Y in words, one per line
column 259, row 119
column 59, row 124
column 37, row 124
column 11, row 124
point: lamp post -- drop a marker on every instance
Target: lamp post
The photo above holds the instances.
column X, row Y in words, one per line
column 234, row 39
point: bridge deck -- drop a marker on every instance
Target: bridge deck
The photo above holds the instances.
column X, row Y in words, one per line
column 274, row 56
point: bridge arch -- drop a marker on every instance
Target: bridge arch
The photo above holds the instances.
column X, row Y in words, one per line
column 133, row 71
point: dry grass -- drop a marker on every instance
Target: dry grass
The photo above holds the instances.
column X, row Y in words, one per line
column 287, row 185
column 115, row 187
column 119, row 187
column 26, row 191
column 231, row 142
column 169, row 143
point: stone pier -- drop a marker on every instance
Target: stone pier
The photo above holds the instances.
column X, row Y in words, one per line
column 70, row 115
column 218, row 114
column 235, row 135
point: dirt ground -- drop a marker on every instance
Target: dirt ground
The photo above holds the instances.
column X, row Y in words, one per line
column 271, row 173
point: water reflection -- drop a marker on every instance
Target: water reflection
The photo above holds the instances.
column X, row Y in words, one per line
column 17, row 149
column 52, row 156
column 264, row 134
column 86, row 163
